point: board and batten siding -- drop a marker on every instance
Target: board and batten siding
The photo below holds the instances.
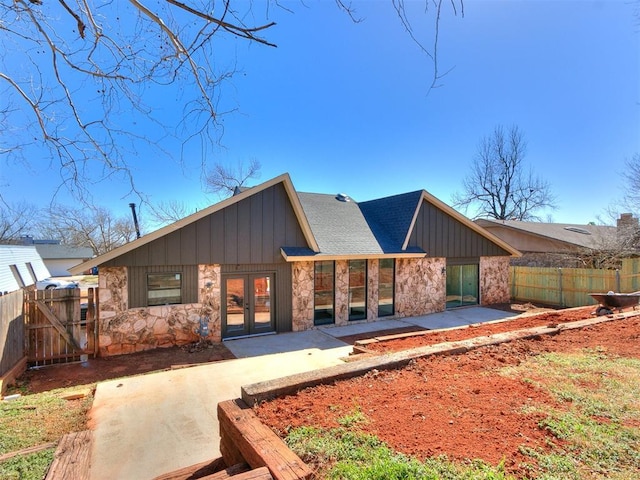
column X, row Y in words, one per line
column 250, row 231
column 282, row 288
column 441, row 235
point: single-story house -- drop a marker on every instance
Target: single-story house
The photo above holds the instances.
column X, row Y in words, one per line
column 270, row 259
column 20, row 267
column 59, row 258
column 559, row 244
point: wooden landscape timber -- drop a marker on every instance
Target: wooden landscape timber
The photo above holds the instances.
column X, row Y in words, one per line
column 72, row 457
column 244, row 436
column 267, row 390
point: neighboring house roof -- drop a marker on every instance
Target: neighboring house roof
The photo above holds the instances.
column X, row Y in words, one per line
column 20, row 266
column 58, row 252
column 559, row 236
column 334, row 226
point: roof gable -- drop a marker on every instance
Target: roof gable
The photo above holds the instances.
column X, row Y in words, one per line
column 332, row 227
column 284, row 179
column 464, row 221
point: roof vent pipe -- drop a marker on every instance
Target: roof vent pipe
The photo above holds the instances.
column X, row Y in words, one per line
column 135, row 219
column 343, row 197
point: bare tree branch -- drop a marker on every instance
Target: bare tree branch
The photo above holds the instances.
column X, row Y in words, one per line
column 79, row 78
column 226, row 180
column 499, row 185
column 94, row 227
column 16, row 220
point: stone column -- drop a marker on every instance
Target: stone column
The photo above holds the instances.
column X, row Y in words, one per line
column 302, row 296
column 372, row 288
column 209, row 297
column 494, row 280
column 113, row 296
column 420, row 286
column 341, row 307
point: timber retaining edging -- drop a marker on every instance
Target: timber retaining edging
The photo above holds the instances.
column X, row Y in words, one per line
column 258, row 392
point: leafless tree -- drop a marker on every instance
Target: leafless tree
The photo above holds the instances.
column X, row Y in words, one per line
column 168, row 212
column 225, row 180
column 499, row 184
column 17, row 220
column 94, row 227
column 79, row 78
column 631, row 179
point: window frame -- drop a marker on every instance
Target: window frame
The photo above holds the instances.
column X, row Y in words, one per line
column 386, row 312
column 324, row 316
column 173, row 300
column 359, row 312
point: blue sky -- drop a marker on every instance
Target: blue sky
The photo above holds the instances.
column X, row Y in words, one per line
column 345, row 107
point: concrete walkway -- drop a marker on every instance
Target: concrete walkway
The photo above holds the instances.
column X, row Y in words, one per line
column 153, row 424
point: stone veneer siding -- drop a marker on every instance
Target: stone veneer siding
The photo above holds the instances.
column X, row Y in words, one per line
column 123, row 330
column 420, row 289
column 302, row 295
column 341, row 303
column 372, row 288
column 420, row 286
column 494, row 280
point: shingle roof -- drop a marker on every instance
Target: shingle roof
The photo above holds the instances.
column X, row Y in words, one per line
column 390, row 218
column 339, row 227
column 588, row 236
column 331, row 228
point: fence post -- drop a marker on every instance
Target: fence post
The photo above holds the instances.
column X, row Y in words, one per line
column 618, row 281
column 560, row 286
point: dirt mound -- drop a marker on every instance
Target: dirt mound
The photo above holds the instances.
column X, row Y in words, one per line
column 456, row 405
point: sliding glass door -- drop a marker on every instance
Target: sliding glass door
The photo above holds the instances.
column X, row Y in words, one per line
column 462, row 285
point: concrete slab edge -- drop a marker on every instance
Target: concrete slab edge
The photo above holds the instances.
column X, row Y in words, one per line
column 262, row 391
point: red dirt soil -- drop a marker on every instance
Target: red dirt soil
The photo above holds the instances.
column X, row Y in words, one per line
column 107, row 368
column 482, row 329
column 455, row 405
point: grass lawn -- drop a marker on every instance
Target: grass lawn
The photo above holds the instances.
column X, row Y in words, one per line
column 37, row 419
column 594, row 430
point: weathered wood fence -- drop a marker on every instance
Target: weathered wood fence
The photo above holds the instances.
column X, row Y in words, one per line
column 570, row 287
column 58, row 327
column 11, row 331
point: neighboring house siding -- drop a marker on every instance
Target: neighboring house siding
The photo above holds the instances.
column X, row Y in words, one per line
column 250, row 231
column 20, row 256
column 441, row 235
column 60, row 267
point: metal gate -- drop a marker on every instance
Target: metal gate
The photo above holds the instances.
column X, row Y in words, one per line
column 60, row 327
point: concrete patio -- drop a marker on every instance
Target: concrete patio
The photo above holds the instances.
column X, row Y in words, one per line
column 152, row 424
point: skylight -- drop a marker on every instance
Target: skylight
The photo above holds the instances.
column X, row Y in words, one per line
column 578, row 230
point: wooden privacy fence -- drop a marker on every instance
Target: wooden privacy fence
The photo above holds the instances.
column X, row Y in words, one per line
column 570, row 287
column 11, row 331
column 58, row 328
